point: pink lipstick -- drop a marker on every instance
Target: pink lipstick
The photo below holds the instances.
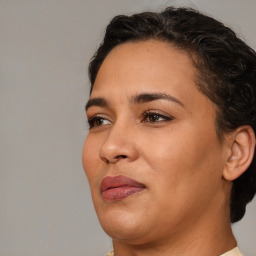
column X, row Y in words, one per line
column 116, row 188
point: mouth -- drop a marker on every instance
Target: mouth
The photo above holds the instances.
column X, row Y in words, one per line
column 116, row 188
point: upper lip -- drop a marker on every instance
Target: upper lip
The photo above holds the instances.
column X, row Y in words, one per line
column 119, row 181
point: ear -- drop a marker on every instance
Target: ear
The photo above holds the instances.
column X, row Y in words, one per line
column 242, row 146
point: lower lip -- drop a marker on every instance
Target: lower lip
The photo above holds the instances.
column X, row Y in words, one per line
column 117, row 194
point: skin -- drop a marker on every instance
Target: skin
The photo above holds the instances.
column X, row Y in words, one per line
column 175, row 153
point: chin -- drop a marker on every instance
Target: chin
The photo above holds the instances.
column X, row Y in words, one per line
column 123, row 223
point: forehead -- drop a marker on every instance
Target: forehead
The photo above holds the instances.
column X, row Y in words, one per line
column 144, row 65
column 150, row 67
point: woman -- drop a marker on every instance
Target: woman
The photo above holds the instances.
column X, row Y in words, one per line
column 170, row 152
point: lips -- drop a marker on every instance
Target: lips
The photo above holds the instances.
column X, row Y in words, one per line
column 116, row 188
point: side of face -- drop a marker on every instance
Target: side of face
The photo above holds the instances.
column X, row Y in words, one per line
column 165, row 140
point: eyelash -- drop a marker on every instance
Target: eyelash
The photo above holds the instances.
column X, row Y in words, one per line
column 155, row 115
column 92, row 122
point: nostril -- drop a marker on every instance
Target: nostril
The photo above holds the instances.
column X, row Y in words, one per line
column 121, row 156
column 113, row 160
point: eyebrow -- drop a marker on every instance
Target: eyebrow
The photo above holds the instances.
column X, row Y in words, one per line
column 100, row 102
column 136, row 99
column 148, row 97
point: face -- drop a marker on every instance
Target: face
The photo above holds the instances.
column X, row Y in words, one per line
column 152, row 155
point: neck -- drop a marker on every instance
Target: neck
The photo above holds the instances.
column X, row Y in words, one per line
column 205, row 237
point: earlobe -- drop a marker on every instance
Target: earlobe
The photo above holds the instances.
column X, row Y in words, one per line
column 242, row 148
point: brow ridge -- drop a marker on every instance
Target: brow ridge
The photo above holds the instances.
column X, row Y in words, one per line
column 148, row 97
column 136, row 99
column 100, row 102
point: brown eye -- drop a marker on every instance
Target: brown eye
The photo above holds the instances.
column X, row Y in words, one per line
column 97, row 121
column 153, row 117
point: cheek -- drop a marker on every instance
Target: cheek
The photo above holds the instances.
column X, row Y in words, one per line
column 184, row 171
column 185, row 158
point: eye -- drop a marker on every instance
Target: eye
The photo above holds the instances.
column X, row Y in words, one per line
column 96, row 121
column 154, row 117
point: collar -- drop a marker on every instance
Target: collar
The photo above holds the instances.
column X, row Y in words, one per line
column 234, row 252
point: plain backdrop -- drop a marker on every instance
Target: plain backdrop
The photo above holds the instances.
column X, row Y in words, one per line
column 45, row 47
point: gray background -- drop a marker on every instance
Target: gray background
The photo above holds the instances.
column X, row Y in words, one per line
column 45, row 46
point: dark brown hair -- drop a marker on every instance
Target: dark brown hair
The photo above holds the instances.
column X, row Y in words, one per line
column 226, row 72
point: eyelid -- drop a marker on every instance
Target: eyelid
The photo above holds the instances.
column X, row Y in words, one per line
column 97, row 114
column 162, row 114
column 97, row 117
column 157, row 111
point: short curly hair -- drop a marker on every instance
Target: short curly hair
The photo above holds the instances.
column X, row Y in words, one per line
column 226, row 72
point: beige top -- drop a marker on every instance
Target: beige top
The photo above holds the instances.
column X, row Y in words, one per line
column 111, row 253
column 233, row 252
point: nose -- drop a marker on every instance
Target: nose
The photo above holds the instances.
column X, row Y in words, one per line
column 120, row 144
